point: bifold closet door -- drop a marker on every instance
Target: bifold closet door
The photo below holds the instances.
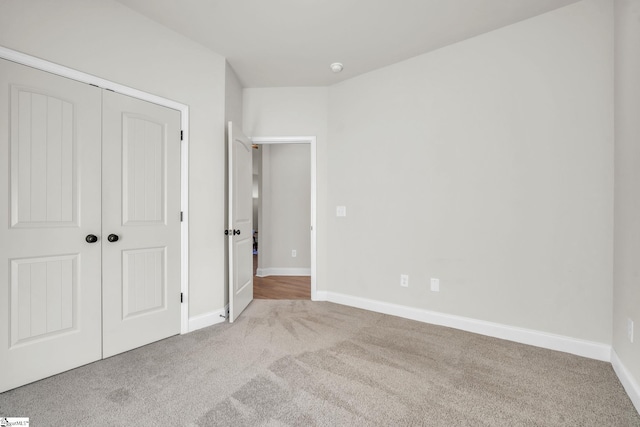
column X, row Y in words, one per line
column 50, row 209
column 141, row 223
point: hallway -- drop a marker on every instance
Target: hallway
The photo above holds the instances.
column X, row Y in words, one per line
column 280, row 287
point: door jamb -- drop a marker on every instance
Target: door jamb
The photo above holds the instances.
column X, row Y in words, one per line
column 41, row 64
column 311, row 140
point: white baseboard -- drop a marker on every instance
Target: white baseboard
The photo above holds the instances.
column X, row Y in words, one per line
column 274, row 271
column 629, row 383
column 208, row 319
column 590, row 349
column 321, row 296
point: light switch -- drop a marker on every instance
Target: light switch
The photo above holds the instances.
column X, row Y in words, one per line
column 341, row 211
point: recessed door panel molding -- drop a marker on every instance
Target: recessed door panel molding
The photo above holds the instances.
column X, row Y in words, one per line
column 143, row 170
column 43, row 297
column 43, row 163
column 143, row 281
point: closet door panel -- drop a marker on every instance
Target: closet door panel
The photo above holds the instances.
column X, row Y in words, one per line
column 141, row 195
column 50, row 284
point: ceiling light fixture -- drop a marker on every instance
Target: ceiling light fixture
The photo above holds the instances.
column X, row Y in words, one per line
column 336, row 67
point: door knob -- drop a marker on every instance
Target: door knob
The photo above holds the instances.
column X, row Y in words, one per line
column 113, row 238
column 91, row 238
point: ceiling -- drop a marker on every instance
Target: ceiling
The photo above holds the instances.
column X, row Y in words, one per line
column 272, row 43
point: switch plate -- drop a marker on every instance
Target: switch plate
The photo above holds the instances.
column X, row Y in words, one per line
column 435, row 285
column 341, row 211
column 630, row 329
column 404, row 280
column 294, row 253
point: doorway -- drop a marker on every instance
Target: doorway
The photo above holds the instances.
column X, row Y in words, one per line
column 284, row 218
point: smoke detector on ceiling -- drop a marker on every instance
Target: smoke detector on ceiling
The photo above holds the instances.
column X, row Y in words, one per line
column 336, row 67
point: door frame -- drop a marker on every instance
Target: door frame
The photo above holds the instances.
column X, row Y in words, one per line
column 311, row 140
column 43, row 65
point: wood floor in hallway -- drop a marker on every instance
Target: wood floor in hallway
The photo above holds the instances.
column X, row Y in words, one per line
column 280, row 287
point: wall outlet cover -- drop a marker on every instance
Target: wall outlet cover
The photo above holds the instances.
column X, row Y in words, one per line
column 404, row 280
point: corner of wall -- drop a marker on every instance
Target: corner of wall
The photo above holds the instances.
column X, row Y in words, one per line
column 631, row 386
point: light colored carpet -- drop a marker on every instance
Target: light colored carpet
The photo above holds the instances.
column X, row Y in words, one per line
column 305, row 363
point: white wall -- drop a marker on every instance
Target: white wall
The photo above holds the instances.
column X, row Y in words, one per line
column 297, row 111
column 232, row 96
column 626, row 289
column 286, row 213
column 487, row 164
column 108, row 40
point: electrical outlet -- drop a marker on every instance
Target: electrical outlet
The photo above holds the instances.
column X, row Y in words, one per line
column 294, row 253
column 404, row 280
column 630, row 329
column 341, row 211
column 435, row 285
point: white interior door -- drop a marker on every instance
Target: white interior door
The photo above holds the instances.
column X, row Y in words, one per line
column 49, row 203
column 240, row 221
column 141, row 223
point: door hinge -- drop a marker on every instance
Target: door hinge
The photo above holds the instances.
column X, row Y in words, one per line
column 181, row 216
column 181, row 135
column 181, row 297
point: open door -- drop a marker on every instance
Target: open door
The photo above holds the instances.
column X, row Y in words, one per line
column 239, row 231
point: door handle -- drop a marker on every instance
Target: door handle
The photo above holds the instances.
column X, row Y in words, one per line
column 91, row 238
column 113, row 238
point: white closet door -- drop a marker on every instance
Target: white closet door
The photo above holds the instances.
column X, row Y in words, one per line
column 141, row 199
column 49, row 203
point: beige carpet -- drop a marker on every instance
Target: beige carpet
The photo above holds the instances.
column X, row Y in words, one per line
column 301, row 363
